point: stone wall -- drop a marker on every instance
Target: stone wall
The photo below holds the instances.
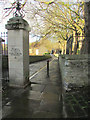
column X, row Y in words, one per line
column 0, row 80
column 74, row 70
column 0, row 59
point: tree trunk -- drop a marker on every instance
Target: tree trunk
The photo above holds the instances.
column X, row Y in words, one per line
column 75, row 44
column 85, row 45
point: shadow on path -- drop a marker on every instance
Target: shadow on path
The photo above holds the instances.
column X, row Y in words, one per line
column 39, row 100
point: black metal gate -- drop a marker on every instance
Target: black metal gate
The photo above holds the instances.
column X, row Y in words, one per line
column 4, row 36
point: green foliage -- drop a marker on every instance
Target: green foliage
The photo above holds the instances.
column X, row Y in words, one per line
column 78, row 51
column 38, row 58
column 32, row 59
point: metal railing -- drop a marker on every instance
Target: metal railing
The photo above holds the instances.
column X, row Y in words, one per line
column 4, row 36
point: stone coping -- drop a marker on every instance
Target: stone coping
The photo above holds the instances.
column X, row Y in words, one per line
column 15, row 20
column 17, row 23
column 74, row 57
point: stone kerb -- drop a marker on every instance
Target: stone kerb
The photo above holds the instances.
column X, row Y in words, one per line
column 74, row 70
column 18, row 51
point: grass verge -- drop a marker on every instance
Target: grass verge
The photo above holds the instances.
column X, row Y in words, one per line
column 37, row 58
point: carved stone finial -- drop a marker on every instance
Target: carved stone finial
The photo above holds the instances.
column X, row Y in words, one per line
column 18, row 8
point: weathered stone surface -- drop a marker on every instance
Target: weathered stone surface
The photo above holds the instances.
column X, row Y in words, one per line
column 0, row 80
column 18, row 51
column 17, row 23
column 74, row 70
column 0, row 60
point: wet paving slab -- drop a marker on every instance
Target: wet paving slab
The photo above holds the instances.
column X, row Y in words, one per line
column 39, row 100
column 43, row 98
column 35, row 67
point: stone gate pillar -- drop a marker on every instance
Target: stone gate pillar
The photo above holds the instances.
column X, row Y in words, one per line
column 18, row 51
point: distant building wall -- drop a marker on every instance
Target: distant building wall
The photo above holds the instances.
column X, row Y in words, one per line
column 37, row 51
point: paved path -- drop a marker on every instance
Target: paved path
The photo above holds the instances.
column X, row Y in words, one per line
column 35, row 67
column 40, row 100
column 43, row 98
